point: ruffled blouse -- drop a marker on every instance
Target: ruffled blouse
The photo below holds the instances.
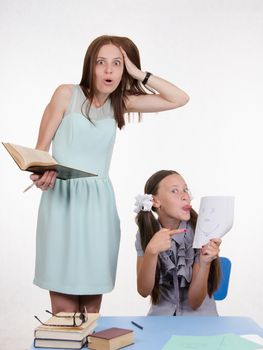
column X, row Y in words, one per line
column 176, row 266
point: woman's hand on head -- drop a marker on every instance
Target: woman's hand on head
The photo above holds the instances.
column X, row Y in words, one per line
column 132, row 70
column 162, row 240
column 45, row 181
column 210, row 251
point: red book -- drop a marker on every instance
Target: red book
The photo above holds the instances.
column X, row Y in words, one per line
column 110, row 339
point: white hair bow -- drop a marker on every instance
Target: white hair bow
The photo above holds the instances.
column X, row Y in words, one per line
column 143, row 202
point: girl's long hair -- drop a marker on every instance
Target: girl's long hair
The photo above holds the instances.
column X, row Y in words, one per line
column 149, row 225
column 127, row 86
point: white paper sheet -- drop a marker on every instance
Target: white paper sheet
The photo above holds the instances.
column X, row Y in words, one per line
column 253, row 337
column 215, row 219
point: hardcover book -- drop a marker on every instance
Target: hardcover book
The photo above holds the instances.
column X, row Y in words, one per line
column 37, row 161
column 59, row 343
column 111, row 339
column 58, row 332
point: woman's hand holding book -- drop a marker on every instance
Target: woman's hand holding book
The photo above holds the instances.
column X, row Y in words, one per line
column 45, row 181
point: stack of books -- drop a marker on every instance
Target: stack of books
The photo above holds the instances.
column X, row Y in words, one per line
column 56, row 333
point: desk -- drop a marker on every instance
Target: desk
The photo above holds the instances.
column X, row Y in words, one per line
column 158, row 329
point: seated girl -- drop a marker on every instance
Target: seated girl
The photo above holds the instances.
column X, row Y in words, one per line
column 180, row 280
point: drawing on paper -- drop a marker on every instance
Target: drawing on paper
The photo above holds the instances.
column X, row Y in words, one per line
column 215, row 219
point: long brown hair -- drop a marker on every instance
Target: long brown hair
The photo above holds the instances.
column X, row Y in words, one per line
column 149, row 225
column 127, row 86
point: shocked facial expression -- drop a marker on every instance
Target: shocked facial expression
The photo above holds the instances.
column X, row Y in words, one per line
column 108, row 69
column 173, row 199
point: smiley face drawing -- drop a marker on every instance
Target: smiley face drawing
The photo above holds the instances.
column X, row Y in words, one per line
column 215, row 218
column 209, row 222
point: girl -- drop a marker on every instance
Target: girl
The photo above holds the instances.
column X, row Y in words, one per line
column 180, row 280
column 78, row 229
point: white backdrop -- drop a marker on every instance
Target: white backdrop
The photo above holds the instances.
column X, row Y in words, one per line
column 213, row 50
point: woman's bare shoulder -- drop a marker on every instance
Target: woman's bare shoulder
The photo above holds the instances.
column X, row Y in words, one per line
column 62, row 94
column 64, row 90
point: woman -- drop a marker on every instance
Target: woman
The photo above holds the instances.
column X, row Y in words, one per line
column 180, row 280
column 78, row 227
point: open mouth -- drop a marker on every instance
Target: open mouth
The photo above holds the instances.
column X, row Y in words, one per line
column 108, row 81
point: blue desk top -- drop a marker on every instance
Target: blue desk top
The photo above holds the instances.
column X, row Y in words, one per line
column 157, row 330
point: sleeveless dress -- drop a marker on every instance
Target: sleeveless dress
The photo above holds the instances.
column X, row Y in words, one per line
column 78, row 228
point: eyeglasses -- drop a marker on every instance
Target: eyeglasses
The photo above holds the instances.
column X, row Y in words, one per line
column 75, row 320
column 179, row 193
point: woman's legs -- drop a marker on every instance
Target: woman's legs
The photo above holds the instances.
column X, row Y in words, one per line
column 74, row 303
column 90, row 302
column 64, row 302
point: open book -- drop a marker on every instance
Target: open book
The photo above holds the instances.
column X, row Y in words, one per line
column 215, row 219
column 38, row 162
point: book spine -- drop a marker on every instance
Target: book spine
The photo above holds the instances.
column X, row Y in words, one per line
column 82, row 343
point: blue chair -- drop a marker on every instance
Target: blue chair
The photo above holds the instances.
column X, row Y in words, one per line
column 221, row 292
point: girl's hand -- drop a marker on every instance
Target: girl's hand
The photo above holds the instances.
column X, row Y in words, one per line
column 162, row 240
column 210, row 251
column 132, row 70
column 45, row 181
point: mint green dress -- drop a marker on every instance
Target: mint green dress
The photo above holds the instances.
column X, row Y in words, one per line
column 78, row 228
